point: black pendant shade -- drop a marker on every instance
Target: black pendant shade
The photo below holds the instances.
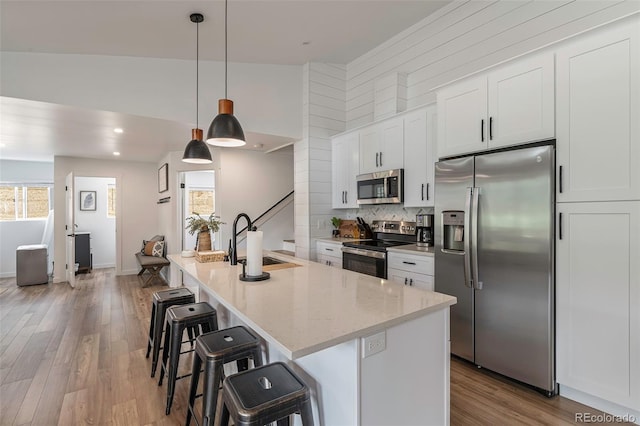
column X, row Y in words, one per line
column 225, row 129
column 197, row 152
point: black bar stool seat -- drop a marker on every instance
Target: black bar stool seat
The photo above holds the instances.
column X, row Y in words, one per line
column 161, row 302
column 195, row 315
column 263, row 395
column 216, row 349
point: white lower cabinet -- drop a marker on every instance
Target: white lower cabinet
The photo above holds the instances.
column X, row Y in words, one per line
column 329, row 253
column 409, row 269
column 598, row 300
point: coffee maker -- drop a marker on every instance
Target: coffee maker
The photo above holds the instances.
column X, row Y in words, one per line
column 424, row 230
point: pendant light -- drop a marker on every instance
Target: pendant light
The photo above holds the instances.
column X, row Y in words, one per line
column 197, row 152
column 225, row 130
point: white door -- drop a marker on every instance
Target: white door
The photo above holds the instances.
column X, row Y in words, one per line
column 598, row 299
column 462, row 117
column 70, row 232
column 521, row 102
column 598, row 120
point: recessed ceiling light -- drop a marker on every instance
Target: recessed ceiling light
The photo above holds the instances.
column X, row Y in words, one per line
column 116, row 153
column 306, row 43
column 118, row 130
column 258, row 145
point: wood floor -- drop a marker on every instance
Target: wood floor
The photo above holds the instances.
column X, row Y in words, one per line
column 71, row 357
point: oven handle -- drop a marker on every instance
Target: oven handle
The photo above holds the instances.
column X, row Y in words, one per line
column 366, row 253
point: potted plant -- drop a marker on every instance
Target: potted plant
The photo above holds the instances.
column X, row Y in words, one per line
column 203, row 226
column 336, row 222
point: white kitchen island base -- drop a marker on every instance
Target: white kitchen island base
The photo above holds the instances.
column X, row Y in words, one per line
column 405, row 383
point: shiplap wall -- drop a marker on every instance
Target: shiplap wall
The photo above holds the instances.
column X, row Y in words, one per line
column 465, row 37
column 323, row 116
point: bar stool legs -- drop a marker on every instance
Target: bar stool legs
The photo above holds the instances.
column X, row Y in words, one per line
column 217, row 349
column 178, row 319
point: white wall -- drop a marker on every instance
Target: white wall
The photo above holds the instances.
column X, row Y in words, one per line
column 102, row 227
column 267, row 98
column 23, row 232
column 467, row 36
column 136, row 209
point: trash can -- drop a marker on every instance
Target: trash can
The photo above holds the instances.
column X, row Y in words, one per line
column 31, row 265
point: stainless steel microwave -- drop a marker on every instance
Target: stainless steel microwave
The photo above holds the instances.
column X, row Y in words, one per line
column 381, row 187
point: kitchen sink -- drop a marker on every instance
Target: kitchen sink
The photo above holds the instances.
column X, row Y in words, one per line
column 266, row 260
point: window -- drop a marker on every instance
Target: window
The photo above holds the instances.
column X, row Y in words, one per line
column 201, row 201
column 24, row 202
column 111, row 201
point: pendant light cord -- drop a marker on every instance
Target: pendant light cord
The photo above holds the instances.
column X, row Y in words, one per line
column 197, row 71
column 225, row 49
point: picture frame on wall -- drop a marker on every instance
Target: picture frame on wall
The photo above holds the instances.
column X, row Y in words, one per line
column 163, row 178
column 87, row 200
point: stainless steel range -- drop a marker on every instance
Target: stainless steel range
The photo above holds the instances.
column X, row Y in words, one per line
column 370, row 256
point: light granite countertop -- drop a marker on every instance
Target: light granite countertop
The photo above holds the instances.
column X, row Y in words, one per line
column 413, row 249
column 304, row 309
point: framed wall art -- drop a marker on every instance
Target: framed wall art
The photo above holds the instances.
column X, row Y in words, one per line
column 163, row 178
column 87, row 200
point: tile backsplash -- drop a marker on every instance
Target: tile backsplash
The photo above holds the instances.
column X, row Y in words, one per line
column 386, row 212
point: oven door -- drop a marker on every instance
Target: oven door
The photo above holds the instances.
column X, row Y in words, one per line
column 368, row 262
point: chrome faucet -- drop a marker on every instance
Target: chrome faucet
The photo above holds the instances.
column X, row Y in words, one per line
column 233, row 255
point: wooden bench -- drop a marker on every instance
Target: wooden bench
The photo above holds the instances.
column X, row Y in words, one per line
column 153, row 264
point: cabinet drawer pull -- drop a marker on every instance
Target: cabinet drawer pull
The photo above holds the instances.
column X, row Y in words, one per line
column 328, row 249
column 482, row 130
column 408, row 263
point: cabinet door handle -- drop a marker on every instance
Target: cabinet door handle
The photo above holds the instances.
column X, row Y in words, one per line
column 427, row 191
column 408, row 263
column 490, row 128
column 405, row 280
column 411, row 281
column 560, row 226
column 422, row 192
column 345, row 197
column 380, row 159
column 377, row 159
column 482, row 130
column 560, row 180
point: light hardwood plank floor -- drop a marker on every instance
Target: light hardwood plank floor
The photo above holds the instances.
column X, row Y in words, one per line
column 77, row 357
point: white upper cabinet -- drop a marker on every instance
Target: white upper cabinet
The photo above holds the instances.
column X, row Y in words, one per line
column 382, row 146
column 462, row 112
column 510, row 105
column 419, row 144
column 521, row 102
column 598, row 121
column 344, row 168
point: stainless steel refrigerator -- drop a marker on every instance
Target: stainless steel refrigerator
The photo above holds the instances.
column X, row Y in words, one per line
column 494, row 251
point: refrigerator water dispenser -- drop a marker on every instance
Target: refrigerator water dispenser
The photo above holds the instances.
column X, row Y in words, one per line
column 453, row 231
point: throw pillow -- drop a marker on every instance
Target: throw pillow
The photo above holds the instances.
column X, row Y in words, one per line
column 154, row 248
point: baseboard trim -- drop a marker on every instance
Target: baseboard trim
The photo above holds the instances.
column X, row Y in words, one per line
column 8, row 274
column 626, row 414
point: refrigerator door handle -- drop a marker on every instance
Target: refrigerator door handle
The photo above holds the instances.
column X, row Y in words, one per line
column 468, row 281
column 477, row 284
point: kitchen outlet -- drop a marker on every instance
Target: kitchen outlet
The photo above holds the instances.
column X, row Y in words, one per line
column 374, row 344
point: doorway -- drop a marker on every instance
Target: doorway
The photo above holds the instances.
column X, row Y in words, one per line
column 198, row 196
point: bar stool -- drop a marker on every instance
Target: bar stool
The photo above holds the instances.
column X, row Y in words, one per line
column 263, row 395
column 179, row 318
column 161, row 301
column 216, row 349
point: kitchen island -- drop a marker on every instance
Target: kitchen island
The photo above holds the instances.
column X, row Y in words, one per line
column 373, row 352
